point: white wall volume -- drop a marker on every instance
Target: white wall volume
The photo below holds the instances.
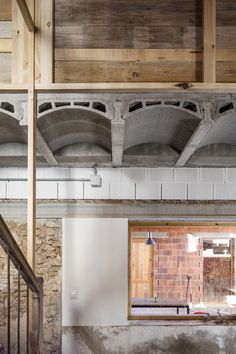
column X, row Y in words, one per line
column 123, row 183
column 94, row 272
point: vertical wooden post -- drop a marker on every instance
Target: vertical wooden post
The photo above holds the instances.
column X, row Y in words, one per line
column 44, row 54
column 31, row 151
column 209, row 41
column 31, row 212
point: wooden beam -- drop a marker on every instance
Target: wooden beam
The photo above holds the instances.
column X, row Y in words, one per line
column 209, row 41
column 26, row 15
column 31, row 154
column 31, row 205
column 119, row 87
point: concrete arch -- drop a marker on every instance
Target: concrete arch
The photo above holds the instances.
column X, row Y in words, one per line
column 63, row 127
column 166, row 125
column 217, row 155
column 223, row 131
column 10, row 130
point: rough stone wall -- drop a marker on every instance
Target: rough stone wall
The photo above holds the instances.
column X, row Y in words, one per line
column 48, row 266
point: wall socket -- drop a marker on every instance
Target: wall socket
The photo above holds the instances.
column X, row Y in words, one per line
column 74, row 295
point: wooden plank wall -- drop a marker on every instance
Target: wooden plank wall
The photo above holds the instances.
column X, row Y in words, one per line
column 226, row 40
column 136, row 40
column 5, row 40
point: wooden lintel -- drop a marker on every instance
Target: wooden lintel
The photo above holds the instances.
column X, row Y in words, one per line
column 26, row 15
column 209, row 41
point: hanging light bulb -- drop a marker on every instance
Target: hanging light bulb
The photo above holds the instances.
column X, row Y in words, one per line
column 150, row 240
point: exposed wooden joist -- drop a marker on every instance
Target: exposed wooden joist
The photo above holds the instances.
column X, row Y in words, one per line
column 119, row 87
column 209, row 41
column 174, row 87
column 26, row 15
column 14, row 88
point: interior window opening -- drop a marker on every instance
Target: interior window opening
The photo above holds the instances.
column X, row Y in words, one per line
column 182, row 270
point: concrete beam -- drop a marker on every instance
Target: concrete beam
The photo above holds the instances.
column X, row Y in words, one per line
column 197, row 137
column 43, row 147
column 117, row 135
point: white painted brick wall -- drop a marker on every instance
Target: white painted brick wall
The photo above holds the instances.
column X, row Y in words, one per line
column 70, row 190
column 161, row 174
column 200, row 191
column 186, row 175
column 96, row 192
column 174, row 191
column 46, row 190
column 213, row 174
column 225, row 191
column 122, row 190
column 16, row 190
column 133, row 175
column 3, row 190
column 148, row 191
column 125, row 183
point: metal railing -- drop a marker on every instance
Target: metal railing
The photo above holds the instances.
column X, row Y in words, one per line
column 15, row 258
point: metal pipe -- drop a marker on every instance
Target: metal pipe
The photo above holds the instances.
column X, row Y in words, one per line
column 46, row 179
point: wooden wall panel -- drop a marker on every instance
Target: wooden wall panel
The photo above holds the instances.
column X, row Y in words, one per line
column 128, row 24
column 226, row 38
column 5, row 10
column 115, row 71
column 5, row 67
column 5, row 40
column 102, row 36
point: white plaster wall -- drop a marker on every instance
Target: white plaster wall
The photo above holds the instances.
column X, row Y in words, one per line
column 94, row 272
column 125, row 183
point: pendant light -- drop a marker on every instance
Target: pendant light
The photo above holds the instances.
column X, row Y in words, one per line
column 150, row 240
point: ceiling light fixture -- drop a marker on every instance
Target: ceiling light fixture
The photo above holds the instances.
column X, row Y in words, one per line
column 150, row 240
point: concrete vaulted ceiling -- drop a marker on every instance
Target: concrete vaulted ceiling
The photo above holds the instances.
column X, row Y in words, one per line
column 142, row 132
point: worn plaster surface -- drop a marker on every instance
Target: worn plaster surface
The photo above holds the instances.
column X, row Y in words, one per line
column 151, row 339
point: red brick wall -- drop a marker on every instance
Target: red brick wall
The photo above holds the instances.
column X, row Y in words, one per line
column 172, row 261
column 172, row 264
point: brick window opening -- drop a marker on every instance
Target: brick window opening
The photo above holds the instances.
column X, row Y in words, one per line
column 189, row 272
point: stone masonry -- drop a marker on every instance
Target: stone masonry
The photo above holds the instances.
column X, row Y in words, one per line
column 48, row 266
